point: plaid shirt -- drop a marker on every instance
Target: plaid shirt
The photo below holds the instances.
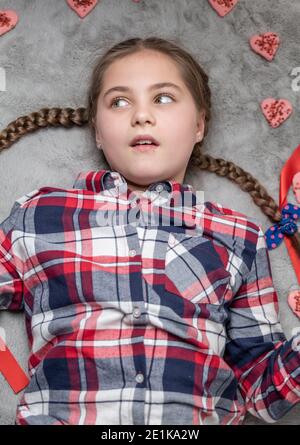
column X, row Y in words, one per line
column 170, row 317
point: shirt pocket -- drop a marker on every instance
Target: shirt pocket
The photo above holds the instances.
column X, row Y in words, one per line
column 194, row 270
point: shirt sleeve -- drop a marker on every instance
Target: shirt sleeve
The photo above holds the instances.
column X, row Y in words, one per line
column 265, row 363
column 11, row 282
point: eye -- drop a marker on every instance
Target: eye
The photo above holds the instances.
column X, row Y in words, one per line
column 117, row 99
column 165, row 95
column 114, row 101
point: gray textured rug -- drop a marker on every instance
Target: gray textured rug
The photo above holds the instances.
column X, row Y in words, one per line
column 48, row 59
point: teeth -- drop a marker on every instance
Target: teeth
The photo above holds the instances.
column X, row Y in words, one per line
column 144, row 142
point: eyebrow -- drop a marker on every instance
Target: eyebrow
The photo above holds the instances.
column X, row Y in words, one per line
column 155, row 86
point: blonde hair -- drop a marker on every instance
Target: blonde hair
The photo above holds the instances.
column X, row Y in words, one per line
column 197, row 82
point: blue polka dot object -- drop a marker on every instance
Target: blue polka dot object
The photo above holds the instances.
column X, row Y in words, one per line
column 286, row 226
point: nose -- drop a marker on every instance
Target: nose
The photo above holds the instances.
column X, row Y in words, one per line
column 142, row 114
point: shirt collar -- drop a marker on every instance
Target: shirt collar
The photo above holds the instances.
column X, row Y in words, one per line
column 104, row 180
column 175, row 195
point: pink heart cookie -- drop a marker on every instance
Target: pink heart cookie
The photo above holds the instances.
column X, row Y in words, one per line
column 294, row 301
column 265, row 44
column 276, row 111
column 223, row 7
column 296, row 186
column 8, row 20
column 82, row 7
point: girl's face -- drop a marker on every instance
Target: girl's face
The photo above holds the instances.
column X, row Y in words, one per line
column 166, row 113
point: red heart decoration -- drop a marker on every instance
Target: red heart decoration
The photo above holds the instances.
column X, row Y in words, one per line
column 276, row 111
column 294, row 301
column 8, row 20
column 265, row 44
column 223, row 7
column 82, row 7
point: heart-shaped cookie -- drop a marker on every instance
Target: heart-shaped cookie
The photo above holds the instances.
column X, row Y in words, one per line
column 8, row 20
column 276, row 111
column 265, row 44
column 82, row 7
column 223, row 7
column 294, row 301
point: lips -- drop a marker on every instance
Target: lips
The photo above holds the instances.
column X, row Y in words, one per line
column 143, row 137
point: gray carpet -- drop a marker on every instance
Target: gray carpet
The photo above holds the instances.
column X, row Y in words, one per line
column 48, row 59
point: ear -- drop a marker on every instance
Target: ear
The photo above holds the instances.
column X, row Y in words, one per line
column 97, row 136
column 200, row 125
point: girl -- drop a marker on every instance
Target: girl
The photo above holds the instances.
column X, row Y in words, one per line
column 169, row 316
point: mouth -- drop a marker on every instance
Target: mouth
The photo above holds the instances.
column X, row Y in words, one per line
column 144, row 143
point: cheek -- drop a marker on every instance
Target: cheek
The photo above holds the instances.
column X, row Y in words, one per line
column 182, row 134
column 104, row 124
column 183, row 122
column 114, row 128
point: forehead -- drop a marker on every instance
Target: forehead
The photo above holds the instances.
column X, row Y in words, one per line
column 145, row 67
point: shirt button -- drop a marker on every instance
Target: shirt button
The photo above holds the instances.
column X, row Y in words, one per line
column 139, row 378
column 132, row 252
column 159, row 188
column 137, row 312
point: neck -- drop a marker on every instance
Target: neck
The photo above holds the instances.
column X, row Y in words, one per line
column 136, row 188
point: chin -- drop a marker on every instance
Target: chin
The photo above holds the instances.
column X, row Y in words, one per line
column 144, row 179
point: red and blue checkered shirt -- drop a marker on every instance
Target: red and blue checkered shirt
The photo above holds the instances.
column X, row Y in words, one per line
column 167, row 317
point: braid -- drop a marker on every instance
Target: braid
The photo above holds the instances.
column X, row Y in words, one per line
column 247, row 183
column 65, row 117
